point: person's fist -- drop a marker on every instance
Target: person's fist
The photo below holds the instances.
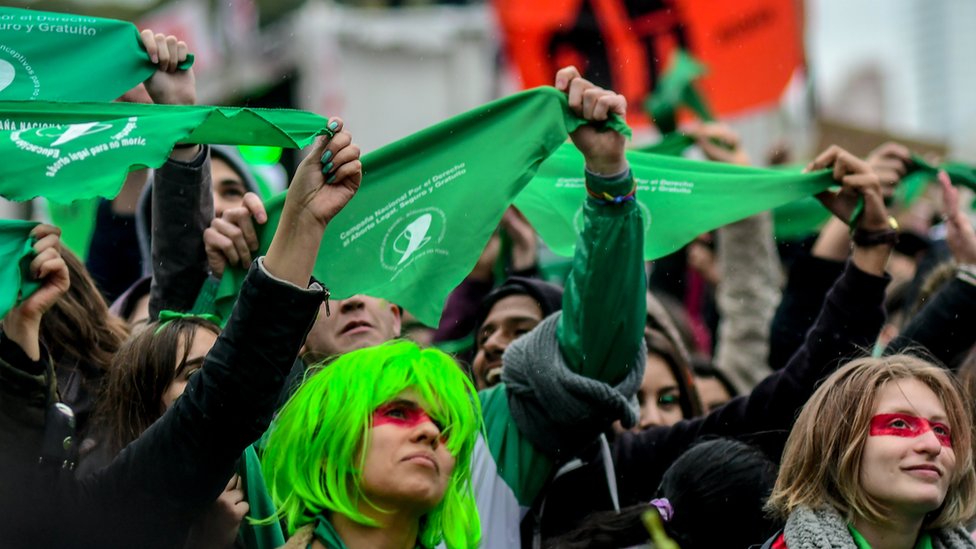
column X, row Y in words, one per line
column 603, row 150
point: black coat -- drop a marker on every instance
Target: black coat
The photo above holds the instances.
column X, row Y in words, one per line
column 152, row 490
column 850, row 320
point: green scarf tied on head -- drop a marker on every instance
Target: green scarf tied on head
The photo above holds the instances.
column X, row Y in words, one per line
column 65, row 57
column 16, row 253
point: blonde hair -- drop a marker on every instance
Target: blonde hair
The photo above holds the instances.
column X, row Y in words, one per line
column 822, row 459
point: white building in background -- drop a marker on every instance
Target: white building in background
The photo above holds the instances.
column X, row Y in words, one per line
column 902, row 66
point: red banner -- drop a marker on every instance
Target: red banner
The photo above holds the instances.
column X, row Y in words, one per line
column 751, row 47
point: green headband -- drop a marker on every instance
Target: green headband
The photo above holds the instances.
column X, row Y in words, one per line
column 167, row 316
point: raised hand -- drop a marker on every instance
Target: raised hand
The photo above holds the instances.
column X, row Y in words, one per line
column 960, row 235
column 890, row 161
column 324, row 183
column 603, row 150
column 858, row 181
column 168, row 85
column 720, row 143
column 217, row 527
column 328, row 177
column 231, row 239
column 22, row 324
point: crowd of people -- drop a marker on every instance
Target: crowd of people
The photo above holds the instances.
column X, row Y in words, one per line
column 746, row 392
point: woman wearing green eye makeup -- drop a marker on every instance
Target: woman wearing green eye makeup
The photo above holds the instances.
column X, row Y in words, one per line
column 880, row 457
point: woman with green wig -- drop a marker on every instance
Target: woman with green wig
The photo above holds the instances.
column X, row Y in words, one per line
column 374, row 450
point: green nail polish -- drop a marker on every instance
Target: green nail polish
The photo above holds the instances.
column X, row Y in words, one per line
column 326, row 156
column 327, row 168
column 331, row 179
column 333, row 125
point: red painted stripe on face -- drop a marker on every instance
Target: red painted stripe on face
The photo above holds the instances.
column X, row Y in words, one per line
column 401, row 415
column 904, row 425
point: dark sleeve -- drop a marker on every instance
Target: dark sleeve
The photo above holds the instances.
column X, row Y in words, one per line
column 944, row 326
column 114, row 260
column 27, row 388
column 182, row 462
column 849, row 321
column 810, row 279
column 182, row 208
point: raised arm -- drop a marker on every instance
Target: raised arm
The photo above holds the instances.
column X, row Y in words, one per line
column 181, row 194
column 602, row 324
column 850, row 320
column 944, row 326
column 184, row 460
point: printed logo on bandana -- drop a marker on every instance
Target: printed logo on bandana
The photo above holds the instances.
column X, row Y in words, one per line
column 10, row 59
column 66, row 144
column 411, row 237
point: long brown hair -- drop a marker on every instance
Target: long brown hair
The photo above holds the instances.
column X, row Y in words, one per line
column 141, row 372
column 822, row 459
column 79, row 327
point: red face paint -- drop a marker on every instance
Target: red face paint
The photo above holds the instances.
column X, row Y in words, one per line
column 904, row 425
column 403, row 414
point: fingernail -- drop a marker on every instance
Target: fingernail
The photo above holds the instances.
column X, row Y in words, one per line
column 333, row 125
column 327, row 168
column 330, row 180
column 326, row 156
column 560, row 83
column 155, row 59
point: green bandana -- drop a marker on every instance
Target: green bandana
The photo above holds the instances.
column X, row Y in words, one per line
column 679, row 198
column 924, row 540
column 64, row 57
column 262, row 535
column 71, row 151
column 16, row 252
column 676, row 87
column 431, row 201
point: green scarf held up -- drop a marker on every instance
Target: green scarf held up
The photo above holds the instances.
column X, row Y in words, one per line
column 16, row 252
column 430, row 202
column 679, row 198
column 676, row 87
column 72, row 151
column 65, row 57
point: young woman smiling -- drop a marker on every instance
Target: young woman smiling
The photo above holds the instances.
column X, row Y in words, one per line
column 880, row 457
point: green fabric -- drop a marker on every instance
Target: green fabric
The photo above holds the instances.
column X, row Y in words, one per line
column 799, row 218
column 257, row 536
column 325, row 533
column 604, row 299
column 430, row 202
column 671, row 144
column 524, row 469
column 921, row 173
column 924, row 540
column 679, row 198
column 675, row 88
column 16, row 253
column 77, row 223
column 65, row 57
column 72, row 151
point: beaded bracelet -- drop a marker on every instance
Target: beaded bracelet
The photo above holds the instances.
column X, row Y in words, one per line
column 607, row 198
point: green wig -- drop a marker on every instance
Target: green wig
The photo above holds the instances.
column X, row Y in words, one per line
column 313, row 449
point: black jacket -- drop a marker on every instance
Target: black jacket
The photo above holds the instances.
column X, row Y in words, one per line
column 849, row 322
column 148, row 495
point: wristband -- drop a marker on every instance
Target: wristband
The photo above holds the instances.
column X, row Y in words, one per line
column 967, row 273
column 607, row 198
column 864, row 237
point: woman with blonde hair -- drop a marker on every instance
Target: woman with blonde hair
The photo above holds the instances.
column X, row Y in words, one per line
column 880, row 457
